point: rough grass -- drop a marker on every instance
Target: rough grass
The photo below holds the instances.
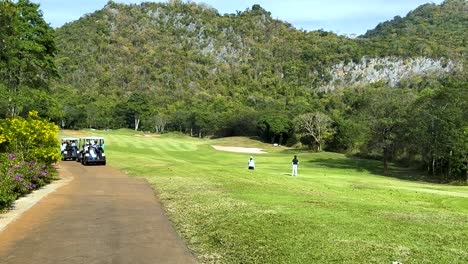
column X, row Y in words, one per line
column 339, row 209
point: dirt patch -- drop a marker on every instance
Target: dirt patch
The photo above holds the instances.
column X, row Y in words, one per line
column 240, row 149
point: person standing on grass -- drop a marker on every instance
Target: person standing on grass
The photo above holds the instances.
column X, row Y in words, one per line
column 251, row 163
column 295, row 162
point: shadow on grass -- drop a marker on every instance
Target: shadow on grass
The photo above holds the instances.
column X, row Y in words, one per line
column 349, row 162
column 372, row 166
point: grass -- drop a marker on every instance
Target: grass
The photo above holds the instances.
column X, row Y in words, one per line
column 339, row 209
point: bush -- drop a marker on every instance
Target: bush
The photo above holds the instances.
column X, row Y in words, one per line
column 33, row 142
column 33, row 138
column 7, row 195
column 18, row 178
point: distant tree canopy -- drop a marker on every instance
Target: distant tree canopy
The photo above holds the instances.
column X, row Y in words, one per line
column 430, row 30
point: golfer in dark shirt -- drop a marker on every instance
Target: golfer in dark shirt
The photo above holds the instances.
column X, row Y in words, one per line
column 295, row 162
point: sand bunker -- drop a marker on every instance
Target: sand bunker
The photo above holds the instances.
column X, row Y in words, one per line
column 240, row 149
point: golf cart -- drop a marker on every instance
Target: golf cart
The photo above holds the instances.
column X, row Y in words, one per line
column 69, row 148
column 91, row 150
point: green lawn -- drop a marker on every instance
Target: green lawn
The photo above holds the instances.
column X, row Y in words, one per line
column 339, row 209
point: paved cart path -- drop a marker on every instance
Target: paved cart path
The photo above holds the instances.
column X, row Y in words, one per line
column 101, row 216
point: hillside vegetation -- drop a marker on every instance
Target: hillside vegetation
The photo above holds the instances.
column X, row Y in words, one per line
column 430, row 30
column 396, row 93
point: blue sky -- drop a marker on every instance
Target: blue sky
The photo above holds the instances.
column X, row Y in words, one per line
column 339, row 16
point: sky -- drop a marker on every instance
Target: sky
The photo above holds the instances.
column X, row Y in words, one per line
column 344, row 17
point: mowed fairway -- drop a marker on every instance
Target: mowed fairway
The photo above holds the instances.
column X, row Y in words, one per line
column 339, row 209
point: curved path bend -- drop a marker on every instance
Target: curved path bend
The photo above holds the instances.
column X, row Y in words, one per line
column 102, row 216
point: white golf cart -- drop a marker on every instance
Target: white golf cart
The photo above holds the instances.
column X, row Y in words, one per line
column 91, row 150
column 69, row 148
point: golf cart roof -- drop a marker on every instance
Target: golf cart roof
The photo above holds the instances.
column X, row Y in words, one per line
column 69, row 138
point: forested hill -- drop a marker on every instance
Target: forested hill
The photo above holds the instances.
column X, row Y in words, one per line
column 178, row 55
column 430, row 30
column 429, row 41
column 184, row 52
column 181, row 50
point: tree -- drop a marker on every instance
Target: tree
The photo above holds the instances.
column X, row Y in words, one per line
column 26, row 53
column 316, row 125
column 439, row 130
column 138, row 106
column 205, row 120
column 386, row 111
column 157, row 122
column 273, row 126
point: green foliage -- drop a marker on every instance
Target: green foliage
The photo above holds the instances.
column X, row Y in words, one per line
column 385, row 111
column 182, row 54
column 184, row 67
column 31, row 143
column 275, row 126
column 137, row 106
column 18, row 178
column 26, row 53
column 316, row 127
column 240, row 120
column 438, row 130
column 350, row 134
column 430, row 30
column 33, row 138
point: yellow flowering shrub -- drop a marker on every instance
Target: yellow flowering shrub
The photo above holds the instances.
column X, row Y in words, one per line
column 33, row 138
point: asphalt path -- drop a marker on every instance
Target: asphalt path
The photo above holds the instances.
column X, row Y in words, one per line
column 101, row 216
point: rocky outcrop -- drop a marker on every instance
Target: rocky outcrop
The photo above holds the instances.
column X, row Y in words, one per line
column 390, row 70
